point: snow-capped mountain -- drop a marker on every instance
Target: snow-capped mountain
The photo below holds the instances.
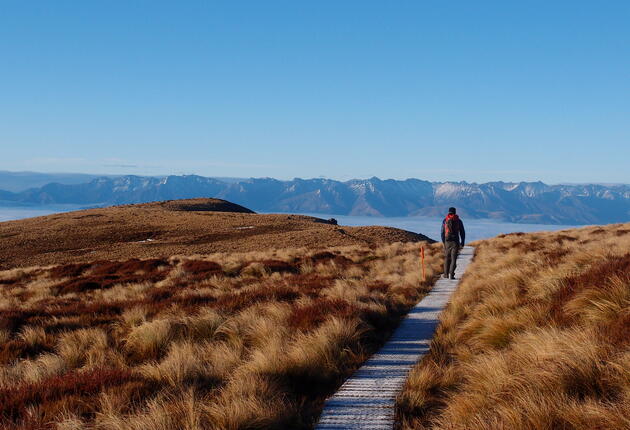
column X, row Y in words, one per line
column 533, row 202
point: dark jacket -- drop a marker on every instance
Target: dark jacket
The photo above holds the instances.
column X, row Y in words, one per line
column 462, row 232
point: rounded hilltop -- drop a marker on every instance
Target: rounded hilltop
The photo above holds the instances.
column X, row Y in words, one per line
column 198, row 205
column 173, row 227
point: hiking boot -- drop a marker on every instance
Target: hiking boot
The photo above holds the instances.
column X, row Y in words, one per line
column 452, row 276
column 445, row 276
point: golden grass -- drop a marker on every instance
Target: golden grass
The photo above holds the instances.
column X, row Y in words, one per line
column 536, row 337
column 217, row 341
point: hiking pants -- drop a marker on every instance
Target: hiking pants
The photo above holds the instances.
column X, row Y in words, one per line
column 451, row 249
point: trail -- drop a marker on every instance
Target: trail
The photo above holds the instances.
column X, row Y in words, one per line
column 367, row 399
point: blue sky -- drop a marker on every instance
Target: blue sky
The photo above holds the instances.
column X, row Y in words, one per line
column 458, row 90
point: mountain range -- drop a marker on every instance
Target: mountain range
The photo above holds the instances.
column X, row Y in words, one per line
column 523, row 202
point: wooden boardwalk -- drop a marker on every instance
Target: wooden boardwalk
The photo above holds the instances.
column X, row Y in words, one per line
column 367, row 399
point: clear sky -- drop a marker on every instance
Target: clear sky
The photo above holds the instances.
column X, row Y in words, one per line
column 457, row 90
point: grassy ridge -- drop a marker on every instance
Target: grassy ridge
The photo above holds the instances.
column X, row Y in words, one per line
column 536, row 337
column 222, row 341
column 178, row 227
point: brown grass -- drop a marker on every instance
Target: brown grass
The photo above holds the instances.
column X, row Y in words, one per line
column 219, row 341
column 536, row 337
column 162, row 229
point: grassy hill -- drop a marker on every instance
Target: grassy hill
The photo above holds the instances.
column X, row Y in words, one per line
column 223, row 340
column 232, row 320
column 536, row 337
column 178, row 227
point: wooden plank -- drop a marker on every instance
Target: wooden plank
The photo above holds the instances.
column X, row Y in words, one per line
column 367, row 399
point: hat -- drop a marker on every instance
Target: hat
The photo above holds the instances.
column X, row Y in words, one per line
column 452, row 210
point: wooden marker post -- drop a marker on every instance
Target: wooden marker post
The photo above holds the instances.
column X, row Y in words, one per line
column 424, row 276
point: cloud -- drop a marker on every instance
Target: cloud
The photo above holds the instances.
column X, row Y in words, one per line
column 56, row 160
column 122, row 166
column 152, row 167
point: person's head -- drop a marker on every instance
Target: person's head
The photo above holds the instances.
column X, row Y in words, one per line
column 452, row 210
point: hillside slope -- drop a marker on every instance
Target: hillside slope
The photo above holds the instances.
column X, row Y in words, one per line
column 163, row 229
column 536, row 337
column 223, row 341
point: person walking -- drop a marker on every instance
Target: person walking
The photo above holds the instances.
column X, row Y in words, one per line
column 452, row 231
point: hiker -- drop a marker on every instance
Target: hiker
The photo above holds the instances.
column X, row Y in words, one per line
column 452, row 230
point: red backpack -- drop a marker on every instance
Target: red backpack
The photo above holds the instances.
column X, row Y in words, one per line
column 451, row 227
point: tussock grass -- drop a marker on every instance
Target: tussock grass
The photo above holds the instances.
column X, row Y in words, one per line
column 536, row 337
column 219, row 341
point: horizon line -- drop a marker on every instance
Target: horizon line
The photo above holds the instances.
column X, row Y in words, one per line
column 240, row 178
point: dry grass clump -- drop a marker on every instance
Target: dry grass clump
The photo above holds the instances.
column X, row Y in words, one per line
column 218, row 341
column 536, row 337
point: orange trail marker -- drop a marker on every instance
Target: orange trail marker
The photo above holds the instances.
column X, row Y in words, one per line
column 424, row 276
